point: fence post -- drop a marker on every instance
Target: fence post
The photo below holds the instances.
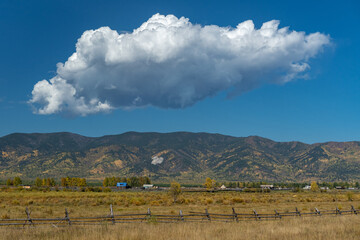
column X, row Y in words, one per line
column 256, row 215
column 235, row 215
column 67, row 216
column 338, row 211
column 112, row 214
column 181, row 216
column 207, row 214
column 297, row 212
column 277, row 214
column 28, row 218
column 353, row 210
column 148, row 214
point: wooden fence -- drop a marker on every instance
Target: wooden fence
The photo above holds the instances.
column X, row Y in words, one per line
column 150, row 217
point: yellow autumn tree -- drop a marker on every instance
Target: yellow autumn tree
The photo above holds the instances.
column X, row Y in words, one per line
column 314, row 187
column 209, row 183
column 175, row 190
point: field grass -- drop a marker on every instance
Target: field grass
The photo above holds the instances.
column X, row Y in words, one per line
column 52, row 204
column 340, row 227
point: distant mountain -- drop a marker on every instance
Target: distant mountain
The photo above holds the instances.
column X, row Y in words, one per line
column 181, row 156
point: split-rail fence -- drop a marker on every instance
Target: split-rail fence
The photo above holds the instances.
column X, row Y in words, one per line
column 150, row 217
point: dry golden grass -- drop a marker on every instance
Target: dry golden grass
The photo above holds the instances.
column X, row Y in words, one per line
column 46, row 204
column 340, row 227
column 52, row 204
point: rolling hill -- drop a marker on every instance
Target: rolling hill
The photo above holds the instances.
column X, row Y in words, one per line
column 184, row 156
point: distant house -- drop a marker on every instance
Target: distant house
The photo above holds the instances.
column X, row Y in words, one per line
column 121, row 185
column 148, row 186
column 307, row 187
column 222, row 187
column 267, row 186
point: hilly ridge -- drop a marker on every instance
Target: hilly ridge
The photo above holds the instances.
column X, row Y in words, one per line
column 187, row 157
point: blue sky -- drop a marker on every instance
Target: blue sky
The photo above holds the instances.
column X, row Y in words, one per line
column 36, row 35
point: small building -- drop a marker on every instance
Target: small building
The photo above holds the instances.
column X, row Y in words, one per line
column 223, row 187
column 121, row 185
column 267, row 186
column 148, row 186
column 26, row 187
column 307, row 187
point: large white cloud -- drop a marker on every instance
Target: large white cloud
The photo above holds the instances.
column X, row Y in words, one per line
column 168, row 62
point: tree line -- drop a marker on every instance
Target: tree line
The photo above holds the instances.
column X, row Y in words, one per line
column 139, row 181
column 14, row 182
column 131, row 181
column 330, row 185
column 45, row 182
column 73, row 182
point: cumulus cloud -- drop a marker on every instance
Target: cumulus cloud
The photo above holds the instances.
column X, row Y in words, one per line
column 168, row 62
column 156, row 160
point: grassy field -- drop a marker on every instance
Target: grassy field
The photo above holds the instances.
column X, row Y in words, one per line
column 52, row 204
column 341, row 227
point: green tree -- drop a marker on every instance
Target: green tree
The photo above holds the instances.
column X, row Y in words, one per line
column 175, row 190
column 106, row 182
column 82, row 182
column 112, row 181
column 134, row 182
column 141, row 181
column 38, row 182
column 123, row 179
column 17, row 181
column 48, row 182
column 314, row 187
column 9, row 182
column 63, row 182
column 52, row 182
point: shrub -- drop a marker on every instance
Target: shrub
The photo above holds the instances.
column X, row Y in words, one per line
column 49, row 211
column 237, row 200
column 155, row 203
column 209, row 201
column 350, row 196
column 152, row 219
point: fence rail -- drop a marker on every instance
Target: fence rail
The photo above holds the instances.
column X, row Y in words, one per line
column 149, row 217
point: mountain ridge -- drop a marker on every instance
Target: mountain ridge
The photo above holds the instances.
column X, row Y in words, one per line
column 186, row 157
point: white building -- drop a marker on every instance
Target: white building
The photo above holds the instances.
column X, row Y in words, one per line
column 148, row 186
